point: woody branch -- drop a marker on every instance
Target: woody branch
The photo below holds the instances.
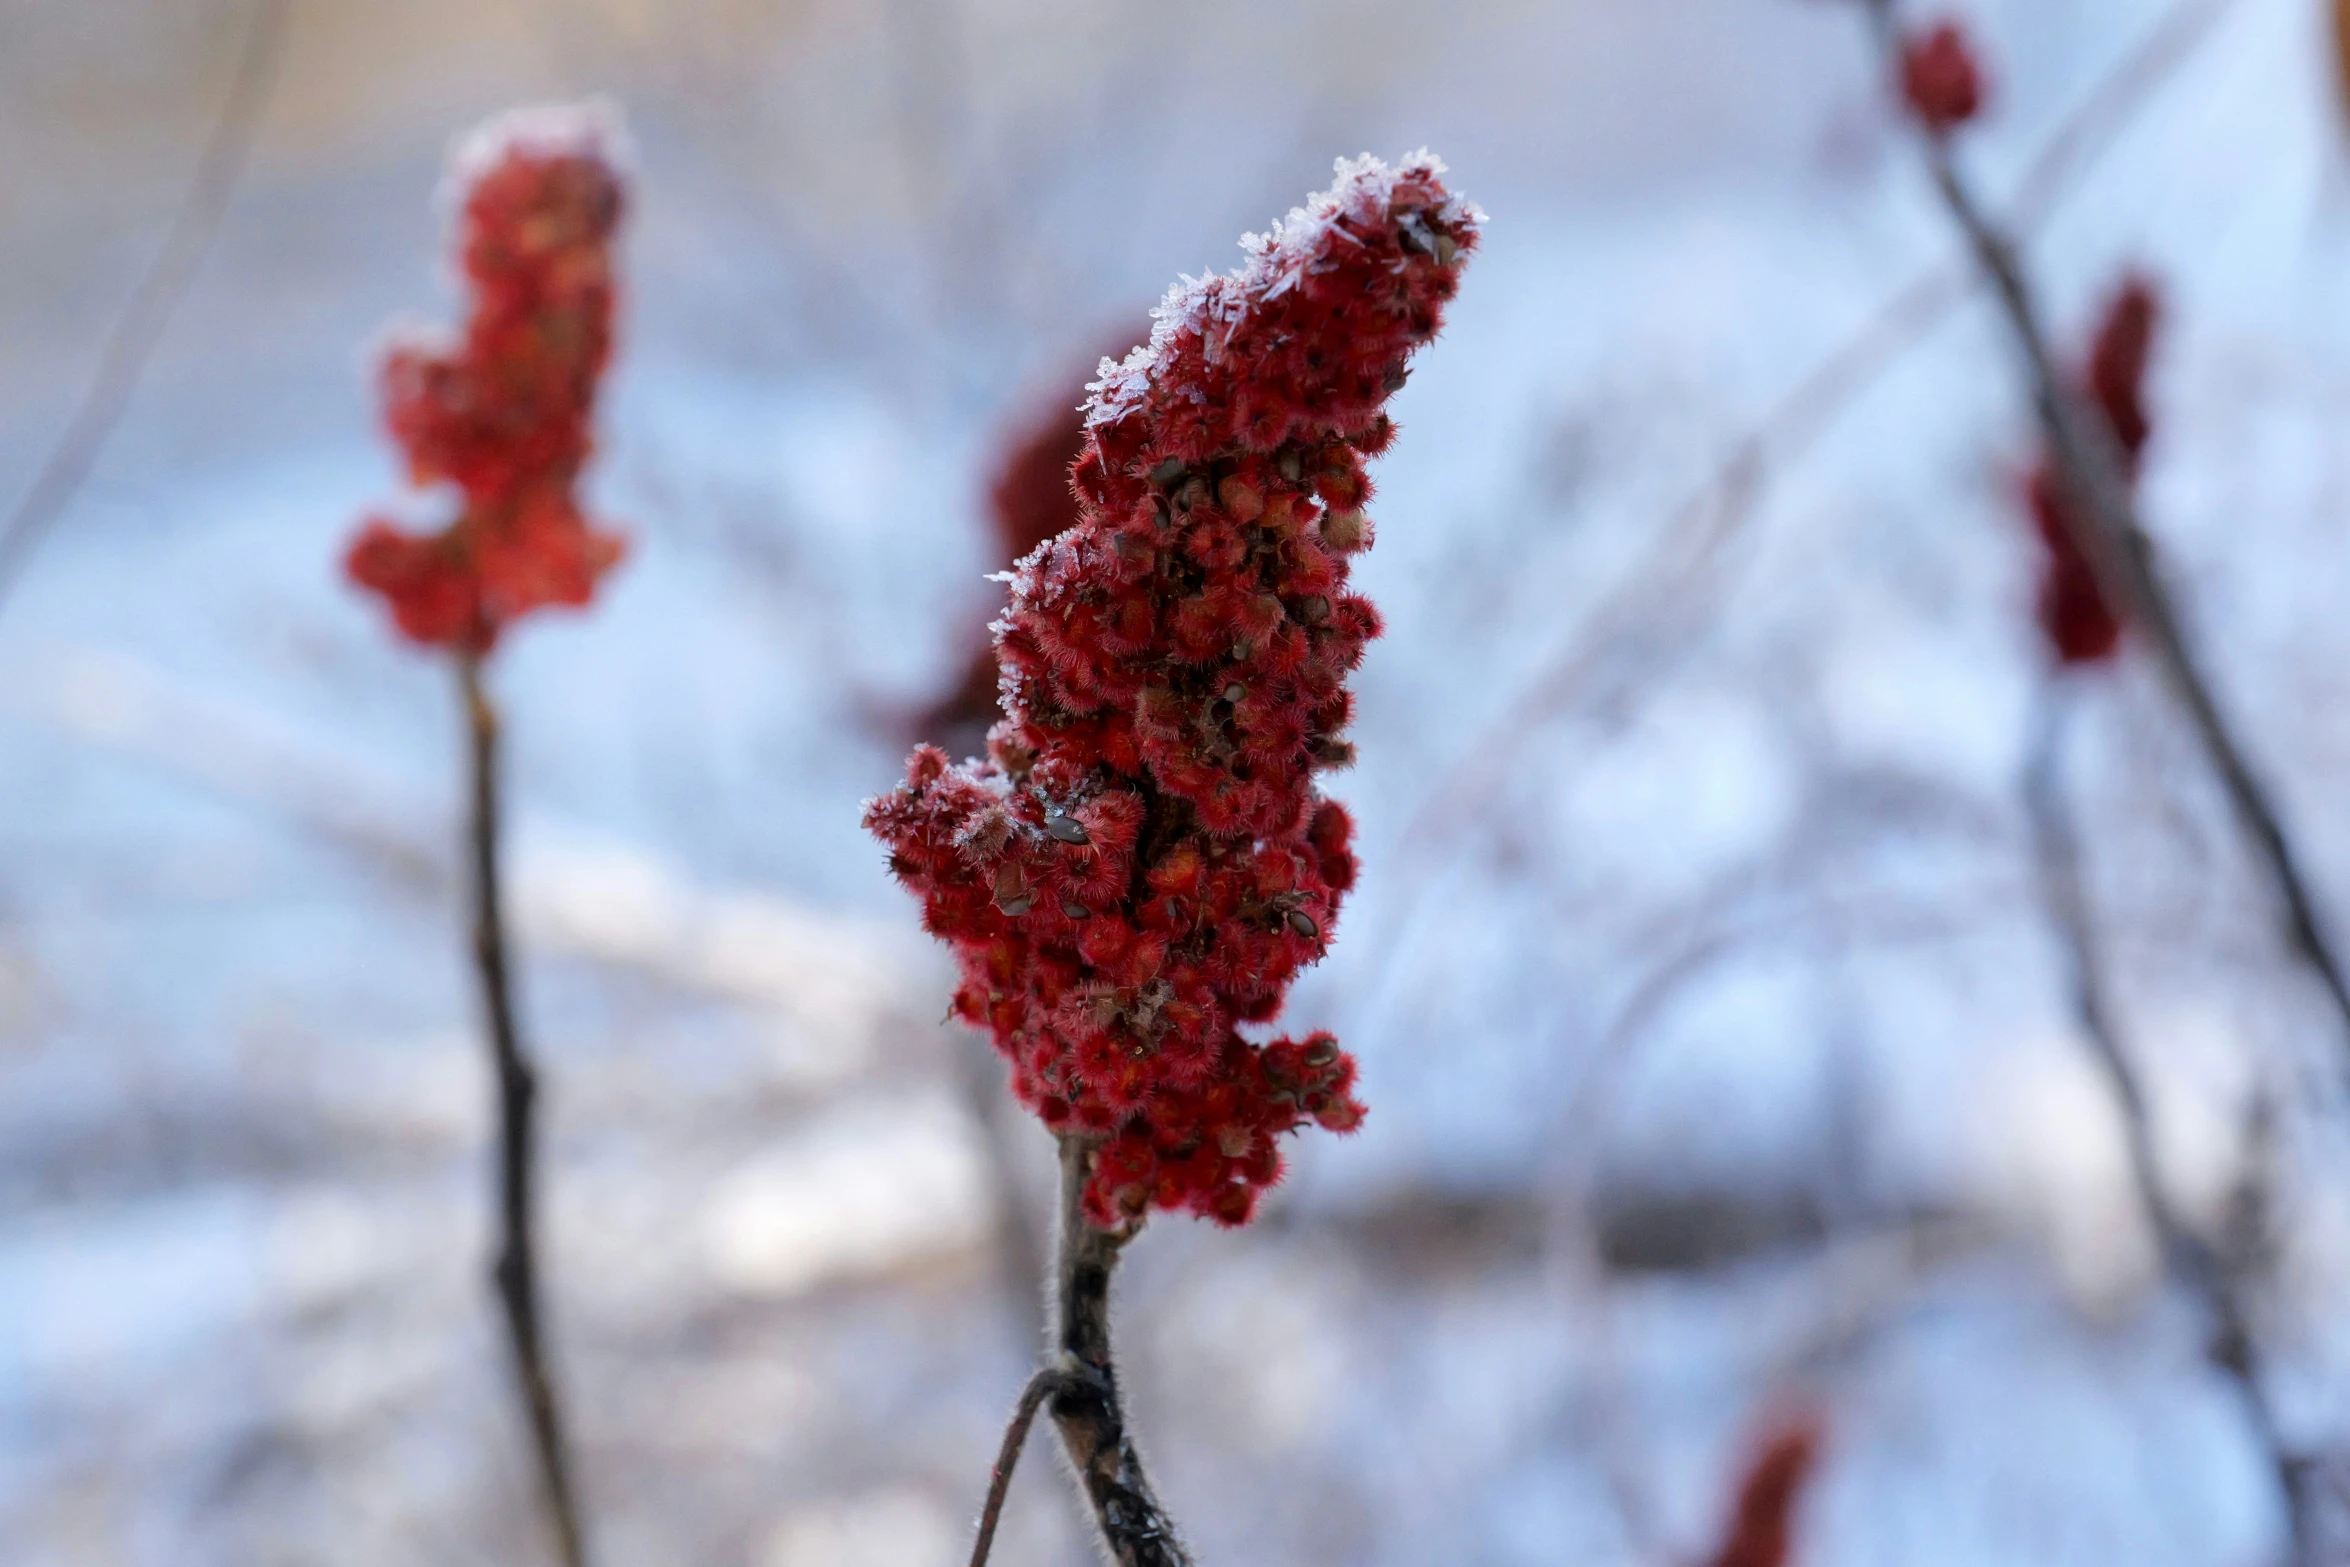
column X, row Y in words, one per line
column 2103, row 517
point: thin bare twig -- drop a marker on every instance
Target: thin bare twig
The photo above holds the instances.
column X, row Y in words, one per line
column 2103, row 518
column 1040, row 1387
column 1661, row 610
column 1133, row 1528
column 2094, row 122
column 2190, row 1259
column 516, row 1270
column 140, row 327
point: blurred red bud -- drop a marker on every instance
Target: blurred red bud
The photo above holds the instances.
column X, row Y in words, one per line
column 1940, row 80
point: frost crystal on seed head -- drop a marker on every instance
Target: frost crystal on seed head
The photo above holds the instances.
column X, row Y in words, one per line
column 593, row 131
column 1143, row 863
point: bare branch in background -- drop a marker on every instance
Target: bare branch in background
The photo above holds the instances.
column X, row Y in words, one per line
column 2103, row 517
column 1738, row 916
column 140, row 328
column 2191, row 1260
column 1660, row 613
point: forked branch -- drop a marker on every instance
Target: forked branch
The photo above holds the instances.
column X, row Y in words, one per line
column 1080, row 1389
column 1085, row 1406
column 1040, row 1387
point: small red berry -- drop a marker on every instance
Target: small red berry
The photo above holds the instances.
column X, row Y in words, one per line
column 1940, row 79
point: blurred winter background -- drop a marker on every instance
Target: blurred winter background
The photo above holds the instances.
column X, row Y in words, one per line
column 1717, row 1047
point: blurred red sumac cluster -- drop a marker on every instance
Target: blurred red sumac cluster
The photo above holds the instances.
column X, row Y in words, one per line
column 1143, row 862
column 1940, row 79
column 2081, row 625
column 1761, row 1530
column 502, row 413
column 1029, row 501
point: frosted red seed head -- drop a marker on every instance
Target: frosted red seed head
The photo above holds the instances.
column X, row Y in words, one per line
column 1186, row 682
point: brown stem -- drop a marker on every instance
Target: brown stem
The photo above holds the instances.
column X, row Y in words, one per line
column 516, row 1270
column 2188, row 1256
column 1134, row 1529
column 2103, row 519
column 1040, row 1387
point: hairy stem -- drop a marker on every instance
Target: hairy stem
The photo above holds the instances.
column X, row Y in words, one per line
column 2103, row 517
column 1134, row 1529
column 1040, row 1387
column 2189, row 1258
column 516, row 1270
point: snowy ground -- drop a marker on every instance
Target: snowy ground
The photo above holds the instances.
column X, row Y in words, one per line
column 1713, row 1039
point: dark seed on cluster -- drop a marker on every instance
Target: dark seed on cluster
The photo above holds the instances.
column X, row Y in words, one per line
column 1303, row 924
column 1075, row 911
column 1235, row 691
column 1066, row 829
column 1167, row 472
